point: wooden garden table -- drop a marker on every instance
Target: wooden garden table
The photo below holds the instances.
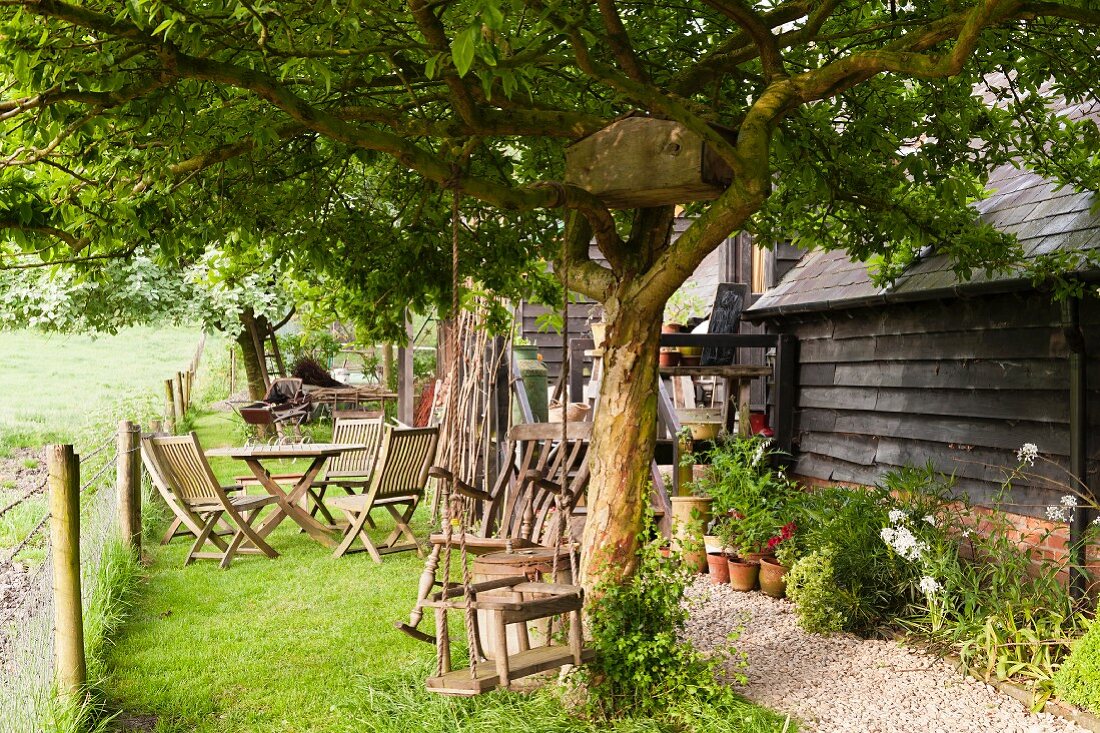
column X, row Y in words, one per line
column 288, row 506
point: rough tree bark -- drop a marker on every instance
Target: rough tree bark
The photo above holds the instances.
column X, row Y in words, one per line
column 255, row 363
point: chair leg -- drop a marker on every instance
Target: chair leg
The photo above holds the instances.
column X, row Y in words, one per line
column 427, row 583
column 171, row 531
column 356, row 521
column 402, row 521
column 248, row 532
column 202, row 536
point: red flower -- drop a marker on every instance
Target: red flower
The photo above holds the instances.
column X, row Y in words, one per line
column 774, row 541
column 788, row 530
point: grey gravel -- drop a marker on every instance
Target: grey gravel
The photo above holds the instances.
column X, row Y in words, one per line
column 843, row 684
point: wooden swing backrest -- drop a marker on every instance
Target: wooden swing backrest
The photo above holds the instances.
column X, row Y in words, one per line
column 403, row 462
column 181, row 464
column 359, row 431
column 522, row 508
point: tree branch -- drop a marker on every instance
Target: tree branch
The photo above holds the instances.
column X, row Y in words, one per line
column 75, row 243
column 757, row 28
column 619, row 40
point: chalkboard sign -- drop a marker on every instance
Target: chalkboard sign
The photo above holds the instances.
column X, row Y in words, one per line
column 725, row 318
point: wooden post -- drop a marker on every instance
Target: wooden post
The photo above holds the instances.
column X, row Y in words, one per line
column 232, row 370
column 169, row 407
column 405, row 384
column 155, row 427
column 128, row 484
column 786, row 392
column 63, row 468
column 177, row 396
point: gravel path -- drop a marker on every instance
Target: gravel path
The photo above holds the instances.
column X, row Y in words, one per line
column 843, row 684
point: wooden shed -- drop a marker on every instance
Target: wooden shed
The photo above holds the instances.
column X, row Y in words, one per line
column 959, row 373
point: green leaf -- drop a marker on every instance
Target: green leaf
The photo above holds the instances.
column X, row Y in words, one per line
column 463, row 47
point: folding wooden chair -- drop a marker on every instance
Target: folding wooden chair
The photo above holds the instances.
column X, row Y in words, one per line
column 398, row 482
column 179, row 462
column 350, row 471
column 185, row 523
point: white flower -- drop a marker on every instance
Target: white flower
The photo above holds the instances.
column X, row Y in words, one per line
column 1058, row 513
column 903, row 542
column 1096, row 520
column 929, row 585
column 758, row 454
column 967, row 532
column 1028, row 453
column 1069, row 501
column 930, row 519
column 896, row 516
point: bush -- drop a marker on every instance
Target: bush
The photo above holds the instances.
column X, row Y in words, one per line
column 821, row 604
column 1077, row 681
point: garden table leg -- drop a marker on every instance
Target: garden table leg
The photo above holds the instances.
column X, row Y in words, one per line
column 288, row 502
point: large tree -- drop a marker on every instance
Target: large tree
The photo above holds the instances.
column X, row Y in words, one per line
column 864, row 125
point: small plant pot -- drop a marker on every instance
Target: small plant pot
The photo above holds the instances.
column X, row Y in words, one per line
column 686, row 360
column 743, row 574
column 718, row 567
column 672, row 328
column 756, row 557
column 773, row 577
column 669, row 358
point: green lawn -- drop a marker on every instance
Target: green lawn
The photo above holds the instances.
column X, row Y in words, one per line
column 56, row 387
column 306, row 642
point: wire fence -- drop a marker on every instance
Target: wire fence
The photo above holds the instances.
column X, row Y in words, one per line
column 26, row 594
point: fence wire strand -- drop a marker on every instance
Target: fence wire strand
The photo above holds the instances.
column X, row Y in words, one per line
column 36, row 490
column 26, row 628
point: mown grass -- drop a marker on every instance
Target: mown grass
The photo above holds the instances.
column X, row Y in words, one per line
column 56, row 388
column 306, row 643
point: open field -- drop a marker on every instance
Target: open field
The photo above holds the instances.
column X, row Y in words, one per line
column 57, row 387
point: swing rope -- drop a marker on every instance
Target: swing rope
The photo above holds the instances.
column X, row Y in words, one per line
column 455, row 509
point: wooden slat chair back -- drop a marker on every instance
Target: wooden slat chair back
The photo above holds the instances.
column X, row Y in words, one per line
column 397, row 484
column 350, row 471
column 521, row 508
column 359, row 463
column 185, row 521
column 178, row 462
column 516, row 511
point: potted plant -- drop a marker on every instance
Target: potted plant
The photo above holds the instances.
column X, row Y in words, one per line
column 773, row 568
column 742, row 573
column 690, row 517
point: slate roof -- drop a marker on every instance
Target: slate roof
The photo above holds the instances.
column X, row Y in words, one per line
column 1043, row 218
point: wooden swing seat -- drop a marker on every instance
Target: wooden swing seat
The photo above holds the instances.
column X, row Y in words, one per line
column 550, row 599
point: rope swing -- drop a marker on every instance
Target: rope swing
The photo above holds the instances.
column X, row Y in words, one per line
column 503, row 602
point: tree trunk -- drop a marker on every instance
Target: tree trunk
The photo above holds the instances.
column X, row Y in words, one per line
column 254, row 363
column 623, row 440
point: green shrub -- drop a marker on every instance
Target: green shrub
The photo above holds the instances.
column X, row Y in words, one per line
column 1077, row 681
column 821, row 604
column 645, row 677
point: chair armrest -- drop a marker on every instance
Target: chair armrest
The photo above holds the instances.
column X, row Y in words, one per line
column 536, row 478
column 460, row 486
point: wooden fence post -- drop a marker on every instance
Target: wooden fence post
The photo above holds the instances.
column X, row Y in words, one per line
column 177, row 396
column 63, row 468
column 155, row 427
column 169, row 407
column 128, row 484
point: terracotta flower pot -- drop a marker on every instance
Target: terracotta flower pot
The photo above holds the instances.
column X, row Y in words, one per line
column 669, row 358
column 719, row 568
column 756, row 556
column 773, row 577
column 672, row 328
column 743, row 574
